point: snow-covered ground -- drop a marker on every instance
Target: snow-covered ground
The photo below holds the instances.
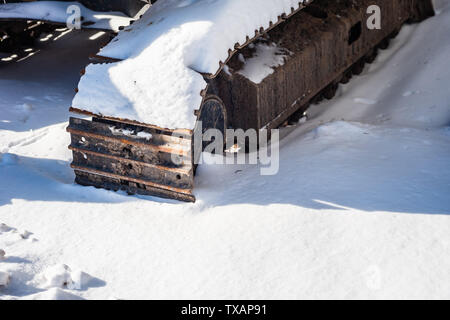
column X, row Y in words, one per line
column 360, row 208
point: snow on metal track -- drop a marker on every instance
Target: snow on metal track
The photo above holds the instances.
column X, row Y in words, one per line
column 56, row 12
column 166, row 53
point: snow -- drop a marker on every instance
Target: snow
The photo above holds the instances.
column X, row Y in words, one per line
column 139, row 135
column 4, row 279
column 159, row 81
column 144, row 135
column 267, row 56
column 56, row 11
column 359, row 209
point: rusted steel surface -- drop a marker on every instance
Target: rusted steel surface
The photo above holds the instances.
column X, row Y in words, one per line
column 115, row 156
column 97, row 178
column 422, row 9
column 181, row 132
column 212, row 115
column 158, row 142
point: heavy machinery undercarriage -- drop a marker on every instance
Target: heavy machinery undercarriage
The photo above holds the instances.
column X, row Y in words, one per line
column 328, row 43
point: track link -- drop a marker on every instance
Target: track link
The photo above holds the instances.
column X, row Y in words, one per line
column 330, row 91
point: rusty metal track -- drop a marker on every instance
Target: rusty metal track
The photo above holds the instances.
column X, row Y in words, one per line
column 140, row 181
column 204, row 93
column 107, row 157
column 322, row 54
column 111, row 155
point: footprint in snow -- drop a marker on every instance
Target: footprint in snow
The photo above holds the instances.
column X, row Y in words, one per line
column 25, row 234
column 62, row 276
column 5, row 228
